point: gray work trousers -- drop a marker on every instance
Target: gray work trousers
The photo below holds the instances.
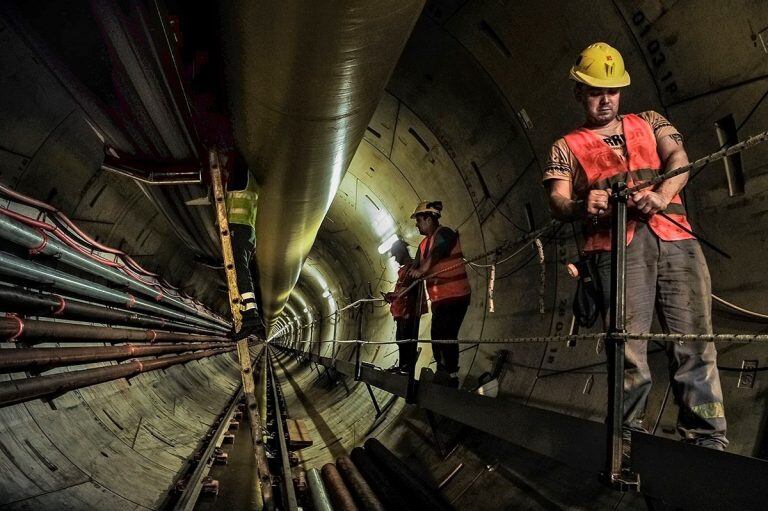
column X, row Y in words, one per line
column 673, row 278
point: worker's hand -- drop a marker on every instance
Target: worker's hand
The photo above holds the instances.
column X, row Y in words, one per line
column 416, row 273
column 648, row 202
column 598, row 203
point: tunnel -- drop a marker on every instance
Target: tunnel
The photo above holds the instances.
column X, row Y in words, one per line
column 121, row 387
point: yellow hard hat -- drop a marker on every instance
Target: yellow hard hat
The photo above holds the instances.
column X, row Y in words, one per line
column 428, row 208
column 600, row 65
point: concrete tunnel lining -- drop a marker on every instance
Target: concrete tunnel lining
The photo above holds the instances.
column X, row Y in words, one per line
column 458, row 90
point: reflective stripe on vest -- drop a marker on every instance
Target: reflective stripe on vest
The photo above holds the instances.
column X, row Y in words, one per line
column 603, row 167
column 451, row 283
column 241, row 204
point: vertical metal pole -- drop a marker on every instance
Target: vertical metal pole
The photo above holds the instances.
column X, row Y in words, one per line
column 410, row 392
column 333, row 345
column 615, row 340
column 357, row 360
column 243, row 352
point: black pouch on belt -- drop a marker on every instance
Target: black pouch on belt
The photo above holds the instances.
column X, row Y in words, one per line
column 588, row 303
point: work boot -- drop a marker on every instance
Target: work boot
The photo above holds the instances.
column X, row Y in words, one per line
column 252, row 325
column 707, row 442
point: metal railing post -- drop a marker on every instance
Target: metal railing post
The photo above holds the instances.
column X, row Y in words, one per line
column 616, row 474
column 358, row 347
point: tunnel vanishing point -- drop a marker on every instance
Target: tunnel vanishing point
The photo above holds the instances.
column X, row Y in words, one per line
column 125, row 126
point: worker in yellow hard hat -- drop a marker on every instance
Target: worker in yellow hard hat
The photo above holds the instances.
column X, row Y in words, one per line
column 665, row 266
column 440, row 259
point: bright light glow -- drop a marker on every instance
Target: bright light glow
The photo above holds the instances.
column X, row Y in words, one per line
column 306, row 310
column 311, row 271
column 387, row 244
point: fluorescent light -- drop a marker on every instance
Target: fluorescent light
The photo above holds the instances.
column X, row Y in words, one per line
column 387, row 244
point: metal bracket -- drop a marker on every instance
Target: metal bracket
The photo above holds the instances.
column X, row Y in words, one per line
column 373, row 399
column 433, row 426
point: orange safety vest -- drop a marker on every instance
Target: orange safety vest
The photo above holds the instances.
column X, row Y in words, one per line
column 603, row 168
column 405, row 306
column 446, row 284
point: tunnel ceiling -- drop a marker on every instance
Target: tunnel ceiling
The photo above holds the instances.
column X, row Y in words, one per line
column 472, row 105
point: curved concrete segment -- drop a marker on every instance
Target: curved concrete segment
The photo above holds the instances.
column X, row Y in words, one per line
column 467, row 116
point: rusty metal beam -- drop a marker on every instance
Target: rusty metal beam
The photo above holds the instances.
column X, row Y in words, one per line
column 34, row 330
column 25, row 359
column 19, row 391
column 24, row 301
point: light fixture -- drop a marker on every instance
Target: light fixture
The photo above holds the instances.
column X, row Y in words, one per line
column 387, row 244
column 327, row 293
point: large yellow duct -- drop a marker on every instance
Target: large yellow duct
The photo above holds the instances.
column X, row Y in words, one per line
column 304, row 79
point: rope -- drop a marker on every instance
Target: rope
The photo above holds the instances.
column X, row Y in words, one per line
column 739, row 309
column 735, row 338
column 700, row 163
column 542, row 275
column 527, row 240
column 491, row 283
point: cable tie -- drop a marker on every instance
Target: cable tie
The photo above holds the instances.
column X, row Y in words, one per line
column 160, row 295
column 153, row 337
column 43, row 244
column 62, row 305
column 19, row 328
column 131, row 300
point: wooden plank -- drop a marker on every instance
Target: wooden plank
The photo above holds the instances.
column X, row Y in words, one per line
column 298, row 435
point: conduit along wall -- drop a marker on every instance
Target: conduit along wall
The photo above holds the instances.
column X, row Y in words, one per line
column 109, row 377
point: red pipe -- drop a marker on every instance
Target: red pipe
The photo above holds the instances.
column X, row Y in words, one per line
column 18, row 391
column 67, row 240
column 58, row 215
column 42, row 226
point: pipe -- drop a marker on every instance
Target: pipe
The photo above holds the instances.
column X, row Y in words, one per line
column 63, row 220
column 25, row 359
column 391, row 496
column 31, row 303
column 28, row 270
column 362, row 490
column 342, row 499
column 18, row 329
column 304, row 81
column 36, row 240
column 320, row 499
column 174, row 173
column 422, row 495
column 19, row 391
